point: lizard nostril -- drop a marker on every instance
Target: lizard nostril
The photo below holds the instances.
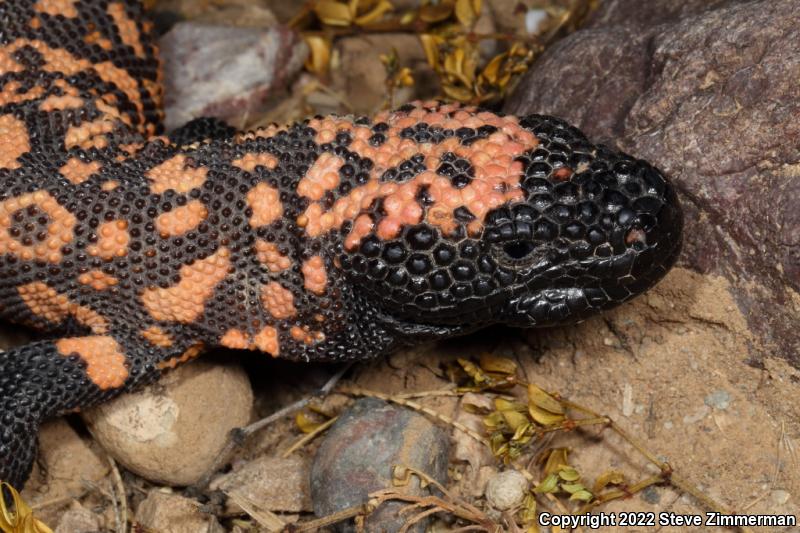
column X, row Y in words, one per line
column 636, row 238
column 518, row 249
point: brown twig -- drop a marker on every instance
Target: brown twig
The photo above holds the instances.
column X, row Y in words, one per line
column 120, row 509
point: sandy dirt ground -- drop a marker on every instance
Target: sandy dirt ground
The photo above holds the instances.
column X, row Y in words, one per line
column 671, row 369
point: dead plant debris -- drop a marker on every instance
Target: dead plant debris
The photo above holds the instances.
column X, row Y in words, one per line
column 447, row 32
column 523, row 415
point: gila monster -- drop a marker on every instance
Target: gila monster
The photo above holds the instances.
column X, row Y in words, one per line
column 337, row 238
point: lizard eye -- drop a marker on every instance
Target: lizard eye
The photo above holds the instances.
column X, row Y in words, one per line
column 517, row 250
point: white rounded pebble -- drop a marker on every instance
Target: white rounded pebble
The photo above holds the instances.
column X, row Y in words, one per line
column 506, row 490
column 534, row 19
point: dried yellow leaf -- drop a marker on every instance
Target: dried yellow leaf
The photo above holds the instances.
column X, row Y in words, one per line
column 435, row 13
column 304, row 423
column 492, row 69
column 457, row 93
column 498, row 365
column 319, row 57
column 543, row 417
column 486, row 96
column 504, row 404
column 404, row 78
column 21, row 520
column 469, row 66
column 539, row 398
column 496, row 76
column 498, row 444
column 493, row 421
column 609, row 477
column 467, row 11
column 502, row 82
column 528, row 512
column 556, row 459
column 460, row 64
column 473, row 371
column 453, row 61
column 515, row 419
column 333, row 13
column 391, row 60
column 522, row 435
column 430, row 43
column 375, row 13
column 408, row 17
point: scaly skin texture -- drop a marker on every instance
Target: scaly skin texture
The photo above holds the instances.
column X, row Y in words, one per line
column 338, row 238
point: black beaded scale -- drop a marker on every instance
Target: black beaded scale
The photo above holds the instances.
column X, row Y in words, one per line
column 338, row 238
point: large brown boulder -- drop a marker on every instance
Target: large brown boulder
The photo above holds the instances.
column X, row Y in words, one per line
column 708, row 91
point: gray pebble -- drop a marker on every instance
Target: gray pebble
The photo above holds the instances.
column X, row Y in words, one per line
column 651, row 495
column 719, row 399
column 359, row 453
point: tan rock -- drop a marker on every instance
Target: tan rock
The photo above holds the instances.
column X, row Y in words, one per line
column 274, row 483
column 78, row 519
column 162, row 511
column 171, row 432
column 69, row 461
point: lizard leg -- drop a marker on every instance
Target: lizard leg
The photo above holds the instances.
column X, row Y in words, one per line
column 47, row 378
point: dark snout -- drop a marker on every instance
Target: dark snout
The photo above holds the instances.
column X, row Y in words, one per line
column 633, row 234
column 654, row 235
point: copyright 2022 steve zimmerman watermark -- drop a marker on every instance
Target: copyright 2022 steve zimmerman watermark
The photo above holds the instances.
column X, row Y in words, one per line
column 645, row 519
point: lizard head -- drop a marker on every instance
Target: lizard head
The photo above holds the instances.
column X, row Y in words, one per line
column 508, row 220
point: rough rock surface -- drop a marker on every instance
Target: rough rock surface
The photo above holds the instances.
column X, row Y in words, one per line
column 162, row 511
column 225, row 72
column 78, row 519
column 172, row 431
column 68, row 462
column 359, row 454
column 708, row 92
column 275, row 483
